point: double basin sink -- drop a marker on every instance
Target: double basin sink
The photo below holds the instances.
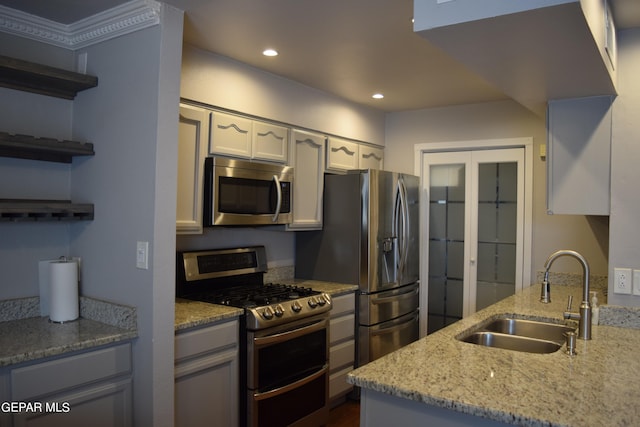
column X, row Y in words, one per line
column 526, row 335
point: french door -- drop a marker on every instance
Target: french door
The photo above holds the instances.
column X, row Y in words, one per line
column 474, row 241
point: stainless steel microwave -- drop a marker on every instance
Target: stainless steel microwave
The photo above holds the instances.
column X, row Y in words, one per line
column 242, row 192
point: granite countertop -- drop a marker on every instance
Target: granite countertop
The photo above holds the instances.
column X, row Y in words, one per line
column 332, row 288
column 191, row 314
column 596, row 387
column 26, row 336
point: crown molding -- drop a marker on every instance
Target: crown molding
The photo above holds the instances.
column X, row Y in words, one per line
column 123, row 19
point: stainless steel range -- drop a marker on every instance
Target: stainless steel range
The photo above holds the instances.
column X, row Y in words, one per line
column 284, row 337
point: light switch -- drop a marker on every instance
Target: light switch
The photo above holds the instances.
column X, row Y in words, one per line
column 142, row 255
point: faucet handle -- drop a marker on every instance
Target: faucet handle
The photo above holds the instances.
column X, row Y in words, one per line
column 569, row 302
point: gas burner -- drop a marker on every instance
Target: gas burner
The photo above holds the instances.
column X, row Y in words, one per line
column 235, row 278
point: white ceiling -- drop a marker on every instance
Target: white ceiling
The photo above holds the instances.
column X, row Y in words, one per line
column 349, row 48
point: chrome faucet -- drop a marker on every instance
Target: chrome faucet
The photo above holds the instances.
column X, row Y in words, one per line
column 584, row 317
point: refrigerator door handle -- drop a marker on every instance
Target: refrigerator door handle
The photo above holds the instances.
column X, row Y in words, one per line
column 403, row 220
column 398, row 326
column 395, row 297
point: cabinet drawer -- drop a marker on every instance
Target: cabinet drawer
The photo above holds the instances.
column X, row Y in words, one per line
column 338, row 383
column 342, row 355
column 343, row 304
column 342, row 328
column 207, row 339
column 73, row 371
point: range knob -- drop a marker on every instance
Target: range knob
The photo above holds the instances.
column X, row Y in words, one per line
column 267, row 313
column 279, row 310
column 295, row 306
column 312, row 302
column 321, row 300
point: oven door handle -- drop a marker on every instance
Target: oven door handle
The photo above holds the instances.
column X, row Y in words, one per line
column 292, row 386
column 288, row 335
column 279, row 201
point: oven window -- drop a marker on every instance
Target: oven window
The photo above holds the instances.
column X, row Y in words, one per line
column 283, row 363
column 289, row 407
column 250, row 196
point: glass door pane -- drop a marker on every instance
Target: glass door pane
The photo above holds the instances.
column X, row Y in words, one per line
column 447, row 207
column 497, row 231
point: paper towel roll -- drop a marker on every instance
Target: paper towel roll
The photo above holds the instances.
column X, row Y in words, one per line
column 63, row 302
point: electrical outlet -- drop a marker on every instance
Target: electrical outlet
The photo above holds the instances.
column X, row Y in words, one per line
column 622, row 281
column 636, row 282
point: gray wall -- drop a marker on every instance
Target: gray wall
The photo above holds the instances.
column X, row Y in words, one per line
column 131, row 118
column 22, row 245
column 218, row 81
column 624, row 240
column 503, row 119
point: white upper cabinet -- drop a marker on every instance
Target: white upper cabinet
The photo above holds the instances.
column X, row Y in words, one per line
column 193, row 138
column 307, row 159
column 579, row 156
column 238, row 136
column 342, row 154
column 370, row 157
column 269, row 142
column 230, row 135
column 532, row 50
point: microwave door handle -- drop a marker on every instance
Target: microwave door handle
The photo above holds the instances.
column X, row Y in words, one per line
column 279, row 199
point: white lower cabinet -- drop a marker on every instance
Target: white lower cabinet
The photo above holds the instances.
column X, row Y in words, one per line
column 92, row 388
column 342, row 345
column 206, row 376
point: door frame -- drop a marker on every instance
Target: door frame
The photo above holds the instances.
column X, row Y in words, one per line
column 525, row 143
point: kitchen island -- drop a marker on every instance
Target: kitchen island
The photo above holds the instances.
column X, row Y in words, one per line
column 447, row 382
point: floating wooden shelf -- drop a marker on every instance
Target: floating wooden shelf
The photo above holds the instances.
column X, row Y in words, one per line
column 42, row 79
column 44, row 210
column 49, row 149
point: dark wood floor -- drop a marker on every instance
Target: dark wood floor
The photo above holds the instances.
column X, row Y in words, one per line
column 345, row 415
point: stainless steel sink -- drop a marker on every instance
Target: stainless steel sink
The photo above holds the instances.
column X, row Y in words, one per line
column 525, row 335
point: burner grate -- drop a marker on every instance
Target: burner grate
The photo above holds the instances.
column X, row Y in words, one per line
column 254, row 295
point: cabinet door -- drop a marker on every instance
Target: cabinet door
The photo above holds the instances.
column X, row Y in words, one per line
column 307, row 155
column 230, row 135
column 206, row 376
column 342, row 346
column 370, row 157
column 192, row 145
column 270, row 142
column 96, row 386
column 342, row 155
column 579, row 156
column 102, row 405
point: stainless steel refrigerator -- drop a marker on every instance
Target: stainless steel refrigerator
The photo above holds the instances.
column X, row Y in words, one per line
column 370, row 238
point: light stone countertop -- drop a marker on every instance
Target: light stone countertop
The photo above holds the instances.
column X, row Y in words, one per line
column 26, row 336
column 598, row 387
column 190, row 314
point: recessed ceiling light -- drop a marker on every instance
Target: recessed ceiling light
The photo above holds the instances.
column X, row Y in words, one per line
column 377, row 96
column 270, row 52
